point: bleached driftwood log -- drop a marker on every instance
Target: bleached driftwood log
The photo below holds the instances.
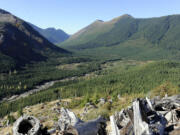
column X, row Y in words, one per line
column 51, row 131
column 69, row 123
column 93, row 127
column 140, row 126
column 27, row 125
column 67, row 119
column 114, row 128
column 149, row 117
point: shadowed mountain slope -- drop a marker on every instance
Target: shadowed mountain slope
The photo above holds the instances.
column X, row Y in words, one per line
column 53, row 35
column 21, row 44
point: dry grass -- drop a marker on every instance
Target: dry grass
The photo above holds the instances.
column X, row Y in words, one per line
column 44, row 112
column 6, row 130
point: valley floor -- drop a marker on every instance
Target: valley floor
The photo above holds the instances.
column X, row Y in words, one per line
column 119, row 82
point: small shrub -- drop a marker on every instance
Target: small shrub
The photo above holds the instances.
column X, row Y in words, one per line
column 74, row 103
column 166, row 88
column 104, row 113
column 108, row 106
column 95, row 98
column 55, row 118
column 11, row 119
column 20, row 112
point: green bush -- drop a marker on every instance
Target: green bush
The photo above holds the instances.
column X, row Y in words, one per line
column 11, row 119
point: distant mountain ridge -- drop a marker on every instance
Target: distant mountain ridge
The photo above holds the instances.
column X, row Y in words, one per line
column 20, row 43
column 93, row 31
column 127, row 36
column 53, row 35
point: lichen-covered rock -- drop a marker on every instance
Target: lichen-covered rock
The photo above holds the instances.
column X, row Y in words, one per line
column 26, row 125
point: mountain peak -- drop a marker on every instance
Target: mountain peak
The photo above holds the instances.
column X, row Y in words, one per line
column 7, row 17
column 126, row 15
column 120, row 17
column 51, row 28
column 3, row 11
column 123, row 16
column 99, row 20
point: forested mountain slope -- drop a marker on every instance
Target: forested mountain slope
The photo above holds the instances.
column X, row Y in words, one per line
column 21, row 44
column 127, row 36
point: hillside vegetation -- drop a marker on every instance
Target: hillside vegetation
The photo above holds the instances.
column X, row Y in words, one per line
column 125, row 36
column 124, row 78
column 126, row 56
column 27, row 59
column 16, row 82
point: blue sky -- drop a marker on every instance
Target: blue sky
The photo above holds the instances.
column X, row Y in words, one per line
column 72, row 15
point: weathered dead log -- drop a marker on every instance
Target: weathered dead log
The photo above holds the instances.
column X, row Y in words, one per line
column 123, row 121
column 51, row 131
column 67, row 119
column 144, row 117
column 166, row 103
column 27, row 125
column 156, row 122
column 115, row 130
column 93, row 127
column 149, row 103
column 140, row 126
column 141, row 118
